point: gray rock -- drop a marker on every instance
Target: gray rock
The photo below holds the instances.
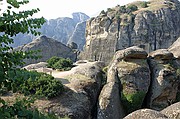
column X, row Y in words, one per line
column 172, row 111
column 164, row 80
column 175, row 48
column 109, row 103
column 80, row 97
column 151, row 28
column 131, row 53
column 49, row 48
column 134, row 74
column 146, row 114
column 161, row 54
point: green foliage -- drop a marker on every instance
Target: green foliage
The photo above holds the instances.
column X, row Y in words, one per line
column 132, row 102
column 60, row 63
column 109, row 9
column 122, row 9
column 12, row 23
column 21, row 110
column 103, row 12
column 32, row 82
column 178, row 72
column 131, row 8
column 144, row 4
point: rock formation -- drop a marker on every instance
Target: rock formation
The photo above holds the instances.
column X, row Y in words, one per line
column 82, row 90
column 48, row 47
column 172, row 111
column 146, row 114
column 60, row 29
column 164, row 79
column 154, row 26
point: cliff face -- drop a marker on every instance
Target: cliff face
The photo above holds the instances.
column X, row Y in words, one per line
column 78, row 35
column 149, row 25
column 60, row 29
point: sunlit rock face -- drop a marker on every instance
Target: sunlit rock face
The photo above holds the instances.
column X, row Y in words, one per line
column 153, row 27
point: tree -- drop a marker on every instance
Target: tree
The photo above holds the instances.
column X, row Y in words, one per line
column 12, row 23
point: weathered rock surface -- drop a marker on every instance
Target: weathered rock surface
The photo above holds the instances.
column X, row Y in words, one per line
column 134, row 74
column 172, row 111
column 164, row 79
column 151, row 28
column 80, row 98
column 175, row 48
column 109, row 104
column 128, row 81
column 146, row 114
column 48, row 47
column 60, row 29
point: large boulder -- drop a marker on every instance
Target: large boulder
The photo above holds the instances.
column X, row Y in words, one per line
column 48, row 48
column 164, row 79
column 172, row 111
column 146, row 114
column 82, row 91
column 134, row 74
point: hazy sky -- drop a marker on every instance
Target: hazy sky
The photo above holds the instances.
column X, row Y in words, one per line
column 51, row 9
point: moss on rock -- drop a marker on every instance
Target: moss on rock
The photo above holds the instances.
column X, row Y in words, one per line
column 133, row 101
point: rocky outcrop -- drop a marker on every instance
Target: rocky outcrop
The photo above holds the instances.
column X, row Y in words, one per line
column 60, row 29
column 134, row 74
column 172, row 111
column 153, row 27
column 164, row 79
column 146, row 114
column 109, row 104
column 78, row 35
column 80, row 98
column 48, row 47
column 128, row 78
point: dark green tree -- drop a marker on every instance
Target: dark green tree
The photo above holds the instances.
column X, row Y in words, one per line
column 12, row 23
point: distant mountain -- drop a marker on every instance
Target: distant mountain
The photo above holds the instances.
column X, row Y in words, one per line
column 78, row 35
column 60, row 29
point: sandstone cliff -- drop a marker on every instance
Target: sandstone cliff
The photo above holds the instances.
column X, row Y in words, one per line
column 48, row 47
column 150, row 25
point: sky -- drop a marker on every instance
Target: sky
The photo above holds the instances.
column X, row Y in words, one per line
column 51, row 9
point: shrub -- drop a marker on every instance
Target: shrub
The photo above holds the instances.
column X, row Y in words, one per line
column 60, row 63
column 52, row 61
column 122, row 9
column 21, row 109
column 131, row 8
column 144, row 4
column 103, row 12
column 109, row 9
column 32, row 82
